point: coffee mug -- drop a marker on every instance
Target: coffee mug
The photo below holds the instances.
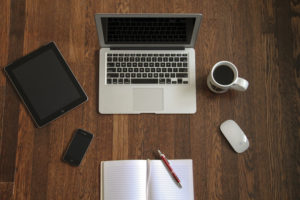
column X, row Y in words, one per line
column 224, row 76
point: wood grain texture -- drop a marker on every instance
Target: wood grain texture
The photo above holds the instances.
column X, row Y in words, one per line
column 260, row 37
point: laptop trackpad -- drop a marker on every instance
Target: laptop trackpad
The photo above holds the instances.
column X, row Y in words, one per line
column 148, row 99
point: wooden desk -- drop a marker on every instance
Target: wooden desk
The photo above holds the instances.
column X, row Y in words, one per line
column 260, row 37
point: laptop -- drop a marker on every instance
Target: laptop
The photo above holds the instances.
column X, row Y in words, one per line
column 147, row 63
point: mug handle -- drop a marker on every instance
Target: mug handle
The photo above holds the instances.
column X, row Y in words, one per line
column 240, row 84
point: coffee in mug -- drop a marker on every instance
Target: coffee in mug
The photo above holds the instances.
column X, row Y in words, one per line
column 224, row 76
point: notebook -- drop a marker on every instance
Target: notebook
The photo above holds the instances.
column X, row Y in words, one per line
column 146, row 180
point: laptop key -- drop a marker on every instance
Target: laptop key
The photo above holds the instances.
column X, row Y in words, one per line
column 168, row 81
column 183, row 59
column 115, row 81
column 181, row 75
column 183, row 70
column 110, row 64
column 120, row 81
column 179, row 81
column 126, row 81
column 112, row 75
column 162, row 81
column 185, row 82
column 108, row 81
column 144, row 75
column 111, row 69
column 144, row 81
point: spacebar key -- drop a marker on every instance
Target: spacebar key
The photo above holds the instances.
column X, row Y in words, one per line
column 144, row 81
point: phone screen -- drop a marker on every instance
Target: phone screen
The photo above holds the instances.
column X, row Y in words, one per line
column 78, row 146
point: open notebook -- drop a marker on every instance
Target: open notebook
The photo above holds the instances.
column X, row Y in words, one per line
column 146, row 180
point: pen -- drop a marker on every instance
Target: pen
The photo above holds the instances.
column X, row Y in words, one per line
column 165, row 160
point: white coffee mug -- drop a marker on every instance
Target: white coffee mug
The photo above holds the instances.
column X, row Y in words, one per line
column 224, row 76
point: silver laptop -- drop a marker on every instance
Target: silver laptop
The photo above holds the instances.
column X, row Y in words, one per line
column 147, row 63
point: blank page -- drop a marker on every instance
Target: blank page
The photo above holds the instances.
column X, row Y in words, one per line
column 124, row 180
column 163, row 186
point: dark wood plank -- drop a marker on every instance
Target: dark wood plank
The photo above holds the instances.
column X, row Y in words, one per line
column 11, row 101
column 4, row 37
column 6, row 190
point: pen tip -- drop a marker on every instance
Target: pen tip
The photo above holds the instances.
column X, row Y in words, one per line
column 179, row 185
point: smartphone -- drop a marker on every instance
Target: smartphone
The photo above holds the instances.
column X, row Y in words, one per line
column 77, row 147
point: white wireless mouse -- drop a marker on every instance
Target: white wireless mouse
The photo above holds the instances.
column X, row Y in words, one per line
column 235, row 136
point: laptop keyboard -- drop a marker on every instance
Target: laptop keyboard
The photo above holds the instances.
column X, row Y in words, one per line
column 146, row 68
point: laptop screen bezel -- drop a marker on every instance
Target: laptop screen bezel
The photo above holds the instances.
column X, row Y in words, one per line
column 102, row 43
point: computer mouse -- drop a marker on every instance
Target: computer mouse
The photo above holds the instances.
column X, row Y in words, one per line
column 235, row 135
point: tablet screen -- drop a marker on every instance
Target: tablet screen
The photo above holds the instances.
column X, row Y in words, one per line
column 46, row 84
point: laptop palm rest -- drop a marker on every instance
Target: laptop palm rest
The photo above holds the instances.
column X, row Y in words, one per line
column 148, row 99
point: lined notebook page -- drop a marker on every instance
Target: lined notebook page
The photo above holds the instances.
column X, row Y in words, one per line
column 162, row 185
column 124, row 180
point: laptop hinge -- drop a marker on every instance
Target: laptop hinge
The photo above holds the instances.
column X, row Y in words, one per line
column 146, row 48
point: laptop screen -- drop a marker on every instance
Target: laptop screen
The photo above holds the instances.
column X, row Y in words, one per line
column 148, row 30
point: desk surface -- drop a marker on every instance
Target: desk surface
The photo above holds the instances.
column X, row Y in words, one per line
column 260, row 37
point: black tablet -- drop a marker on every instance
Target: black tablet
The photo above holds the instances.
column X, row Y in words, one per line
column 46, row 84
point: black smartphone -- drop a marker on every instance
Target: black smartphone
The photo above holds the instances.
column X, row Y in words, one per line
column 77, row 147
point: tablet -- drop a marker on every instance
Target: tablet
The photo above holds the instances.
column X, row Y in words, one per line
column 46, row 84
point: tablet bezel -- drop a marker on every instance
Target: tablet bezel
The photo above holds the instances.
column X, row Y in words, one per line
column 51, row 116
